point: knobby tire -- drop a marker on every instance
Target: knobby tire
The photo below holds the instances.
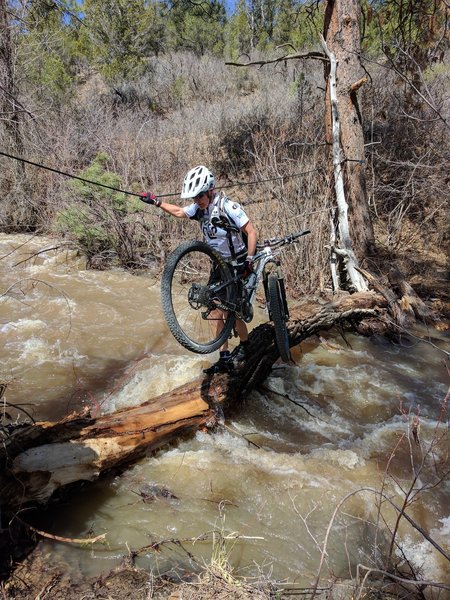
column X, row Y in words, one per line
column 191, row 263
column 278, row 316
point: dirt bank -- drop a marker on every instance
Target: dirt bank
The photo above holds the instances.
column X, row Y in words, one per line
column 36, row 578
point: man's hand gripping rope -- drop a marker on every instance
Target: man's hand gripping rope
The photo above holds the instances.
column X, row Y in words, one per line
column 150, row 198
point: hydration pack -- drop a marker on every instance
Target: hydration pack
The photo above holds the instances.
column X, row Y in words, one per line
column 219, row 218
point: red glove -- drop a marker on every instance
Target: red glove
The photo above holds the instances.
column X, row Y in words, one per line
column 150, row 198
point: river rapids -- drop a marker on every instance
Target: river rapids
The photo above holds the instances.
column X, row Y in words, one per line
column 351, row 415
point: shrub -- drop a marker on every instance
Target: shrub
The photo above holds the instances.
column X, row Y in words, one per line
column 104, row 224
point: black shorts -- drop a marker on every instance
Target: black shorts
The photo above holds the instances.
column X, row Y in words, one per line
column 215, row 277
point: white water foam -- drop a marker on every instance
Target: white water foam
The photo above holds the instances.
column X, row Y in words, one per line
column 154, row 375
column 422, row 556
column 23, row 326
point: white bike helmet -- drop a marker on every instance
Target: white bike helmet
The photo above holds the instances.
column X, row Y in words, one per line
column 198, row 180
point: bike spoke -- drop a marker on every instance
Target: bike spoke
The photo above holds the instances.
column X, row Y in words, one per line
column 191, row 299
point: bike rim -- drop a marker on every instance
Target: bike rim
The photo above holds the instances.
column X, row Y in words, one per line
column 191, row 302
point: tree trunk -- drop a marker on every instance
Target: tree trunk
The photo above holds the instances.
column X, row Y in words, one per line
column 36, row 460
column 357, row 282
column 342, row 37
column 9, row 105
column 14, row 184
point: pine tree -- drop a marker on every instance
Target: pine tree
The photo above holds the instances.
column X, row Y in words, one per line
column 120, row 35
column 197, row 26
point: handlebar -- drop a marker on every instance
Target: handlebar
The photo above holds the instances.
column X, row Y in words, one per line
column 288, row 239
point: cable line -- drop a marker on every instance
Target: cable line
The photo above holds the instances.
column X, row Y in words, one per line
column 243, row 183
column 110, row 187
column 29, row 162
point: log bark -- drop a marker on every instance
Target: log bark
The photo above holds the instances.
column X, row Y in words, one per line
column 37, row 460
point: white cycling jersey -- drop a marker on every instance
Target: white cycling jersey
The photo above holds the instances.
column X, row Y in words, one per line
column 216, row 237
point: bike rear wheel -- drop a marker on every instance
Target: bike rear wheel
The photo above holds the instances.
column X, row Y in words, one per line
column 190, row 294
column 278, row 316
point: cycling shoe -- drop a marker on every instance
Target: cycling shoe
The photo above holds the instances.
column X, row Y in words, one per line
column 221, row 366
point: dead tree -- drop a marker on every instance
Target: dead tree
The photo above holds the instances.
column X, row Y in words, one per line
column 342, row 40
column 345, row 252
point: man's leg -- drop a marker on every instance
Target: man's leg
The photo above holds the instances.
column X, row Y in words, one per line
column 218, row 318
column 224, row 364
column 242, row 332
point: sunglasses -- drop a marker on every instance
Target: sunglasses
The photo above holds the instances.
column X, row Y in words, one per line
column 198, row 196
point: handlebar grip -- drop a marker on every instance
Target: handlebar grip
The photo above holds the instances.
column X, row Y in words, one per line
column 280, row 241
column 294, row 236
column 268, row 242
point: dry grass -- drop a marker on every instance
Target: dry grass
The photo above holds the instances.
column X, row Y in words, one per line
column 246, row 125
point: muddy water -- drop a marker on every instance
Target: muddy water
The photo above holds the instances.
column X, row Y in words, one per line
column 315, row 431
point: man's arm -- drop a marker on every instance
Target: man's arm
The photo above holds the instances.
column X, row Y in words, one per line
column 171, row 209
column 251, row 238
column 174, row 210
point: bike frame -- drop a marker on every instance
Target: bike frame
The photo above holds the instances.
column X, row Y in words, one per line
column 266, row 256
column 261, row 260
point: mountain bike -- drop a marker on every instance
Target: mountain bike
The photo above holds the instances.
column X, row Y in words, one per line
column 193, row 299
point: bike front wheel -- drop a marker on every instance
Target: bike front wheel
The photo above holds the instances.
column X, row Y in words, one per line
column 278, row 315
column 195, row 281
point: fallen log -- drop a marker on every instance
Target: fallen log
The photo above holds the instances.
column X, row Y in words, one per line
column 36, row 460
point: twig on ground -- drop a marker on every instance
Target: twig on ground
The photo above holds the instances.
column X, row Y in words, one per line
column 59, row 538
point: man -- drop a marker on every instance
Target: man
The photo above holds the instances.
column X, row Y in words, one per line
column 207, row 205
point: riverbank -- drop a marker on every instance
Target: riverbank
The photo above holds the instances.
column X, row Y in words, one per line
column 35, row 578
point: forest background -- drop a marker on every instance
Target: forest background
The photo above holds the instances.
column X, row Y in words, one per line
column 133, row 94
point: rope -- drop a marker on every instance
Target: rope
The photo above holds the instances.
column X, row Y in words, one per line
column 29, row 162
column 109, row 187
column 243, row 183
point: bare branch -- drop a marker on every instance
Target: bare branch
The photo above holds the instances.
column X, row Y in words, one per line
column 402, row 513
column 416, row 582
column 296, row 56
column 59, row 538
column 355, row 86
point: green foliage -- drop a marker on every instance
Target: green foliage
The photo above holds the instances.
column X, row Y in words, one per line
column 78, row 225
column 48, row 73
column 179, row 90
column 46, row 51
column 198, row 26
column 97, row 171
column 239, row 34
column 266, row 24
column 100, row 220
column 119, row 36
column 54, row 77
column 411, row 34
